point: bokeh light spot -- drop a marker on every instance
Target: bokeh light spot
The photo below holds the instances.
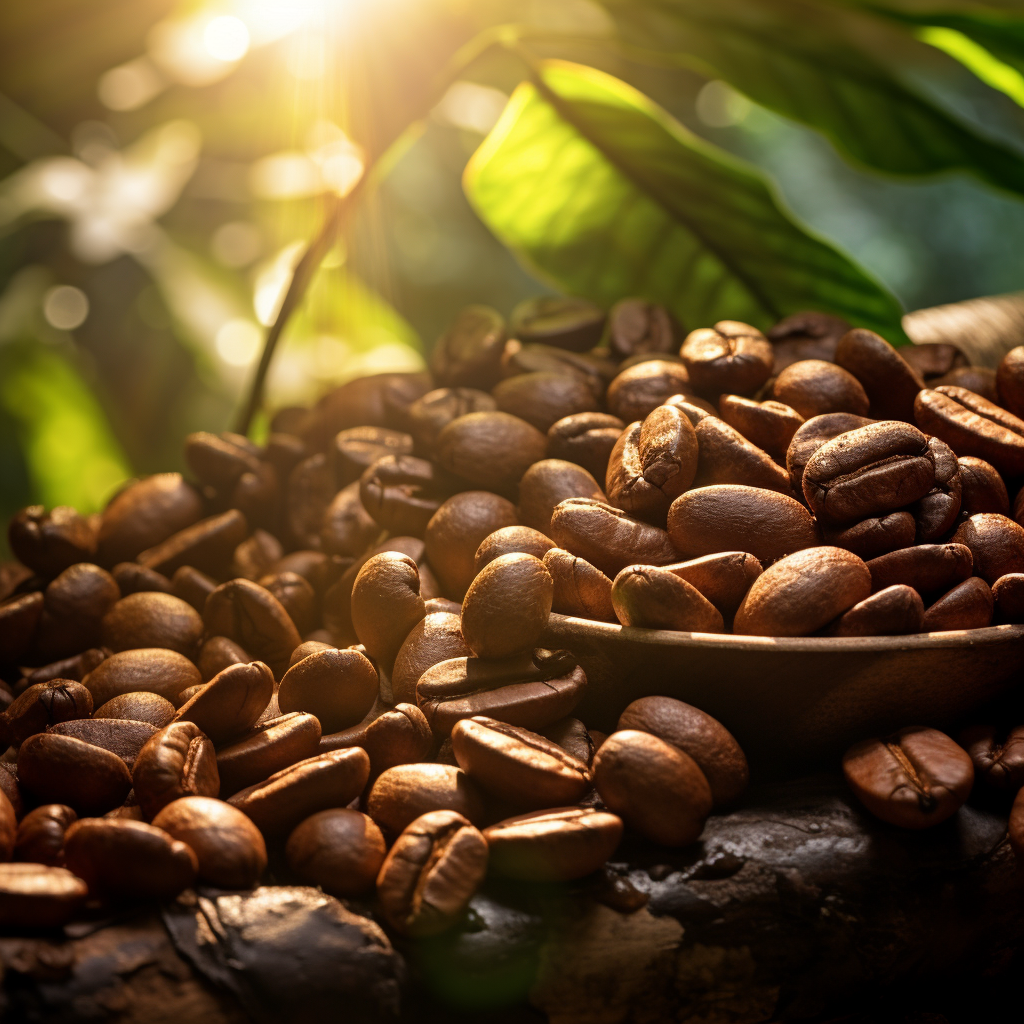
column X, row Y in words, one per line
column 236, row 244
column 471, row 106
column 65, row 307
column 129, row 86
column 721, row 106
column 226, row 38
column 238, row 342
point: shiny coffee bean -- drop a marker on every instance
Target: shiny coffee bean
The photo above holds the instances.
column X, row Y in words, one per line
column 206, row 545
column 996, row 542
column 42, row 705
column 296, row 596
column 358, row 448
column 429, row 415
column 120, row 737
column 75, row 668
column 346, row 527
column 402, row 793
column 1008, row 594
column 586, row 438
column 151, row 669
column 532, row 690
column 8, row 827
column 547, row 483
column 979, row 379
column 229, row 850
column 768, row 425
column 219, row 460
column 803, row 592
column 310, row 488
column 933, row 359
column 506, row 608
column 569, row 323
column 556, row 845
column 64, row 770
column 928, row 568
column 723, row 578
column 402, row 493
column 456, row 531
column 254, row 557
column 572, row 736
column 693, row 408
column 137, row 707
column 1009, row 383
column 431, row 873
column 50, row 542
column 38, row 896
column 727, row 457
column 982, row 488
column 217, row 654
column 703, row 738
column 813, row 387
column 192, row 586
column 468, row 353
column 337, row 686
column 40, row 838
column 543, row 397
column 251, row 616
column 731, row 357
column 153, row 620
column 269, row 747
column 894, row 611
column 997, row 754
column 132, row 578
column 914, row 778
column 593, row 368
column 636, row 327
column 231, row 702
column 814, row 433
column 386, row 604
column 874, row 536
column 128, row 859
column 436, row 638
column 969, row 605
column 657, row 789
column 490, row 450
column 890, row 382
column 510, row 540
column 339, row 850
column 637, row 391
column 654, row 598
column 579, row 588
column 937, row 511
column 19, row 617
column 518, row 766
column 806, row 335
column 177, row 761
column 732, row 517
column 400, row 735
column 9, row 787
column 291, row 795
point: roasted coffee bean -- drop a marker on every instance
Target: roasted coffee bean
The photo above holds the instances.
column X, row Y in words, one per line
column 579, row 587
column 217, row 654
column 547, row 483
column 337, row 686
column 455, row 532
column 431, row 873
column 269, row 747
column 814, row 433
column 358, row 448
column 318, row 569
column 890, row 383
column 401, row 794
column 310, row 488
column 553, row 846
column 153, row 670
column 436, row 638
column 982, row 488
column 636, row 327
column 192, row 586
column 206, row 545
column 928, row 568
column 9, row 787
column 722, row 578
column 637, row 391
column 769, row 425
column 732, row 517
column 138, row 707
column 119, row 736
column 491, row 450
column 544, row 397
column 219, row 460
column 806, row 335
column 40, row 838
column 813, row 387
column 894, row 611
column 657, row 789
column 429, row 415
column 399, row 735
column 468, row 353
column 153, row 620
column 518, row 766
column 146, row 513
column 727, row 457
column 510, row 540
column 572, row 736
column 914, row 778
column 284, row 451
column 593, row 368
column 308, row 647
column 803, row 592
column 18, row 619
column 868, row 472
column 997, row 754
column 82, row 591
column 401, row 493
column 933, row 359
column 128, row 859
column 937, row 511
column 1009, row 383
column 996, row 542
column 76, row 668
column 730, row 357
column 229, row 850
column 703, row 738
column 132, row 578
column 254, row 556
column 296, row 596
column 569, row 323
column 969, row 605
column 251, row 616
column 8, row 828
column 506, row 608
column 532, row 690
column 347, row 528
column 64, row 770
column 587, row 438
column 231, row 702
column 979, row 379
column 339, row 850
column 257, row 496
column 607, row 537
column 42, row 705
column 971, row 425
column 38, row 896
column 653, row 598
column 288, row 797
column 386, row 604
column 177, row 761
column 1008, row 594
column 50, row 542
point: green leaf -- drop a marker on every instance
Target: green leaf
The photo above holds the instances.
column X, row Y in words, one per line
column 603, row 192
column 840, row 70
column 72, row 455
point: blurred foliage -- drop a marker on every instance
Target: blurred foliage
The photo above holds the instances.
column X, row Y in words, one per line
column 164, row 162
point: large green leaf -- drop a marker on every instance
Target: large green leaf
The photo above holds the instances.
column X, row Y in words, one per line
column 603, row 192
column 840, row 70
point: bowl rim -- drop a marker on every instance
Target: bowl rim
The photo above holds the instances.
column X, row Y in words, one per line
column 953, row 638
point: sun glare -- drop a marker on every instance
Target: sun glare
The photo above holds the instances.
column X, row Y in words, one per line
column 226, row 38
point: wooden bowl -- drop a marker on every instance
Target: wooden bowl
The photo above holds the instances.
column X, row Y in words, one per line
column 793, row 703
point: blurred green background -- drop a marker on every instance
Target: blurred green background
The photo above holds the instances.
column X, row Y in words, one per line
column 162, row 164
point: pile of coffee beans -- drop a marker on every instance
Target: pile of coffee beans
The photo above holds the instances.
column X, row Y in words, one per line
column 326, row 653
